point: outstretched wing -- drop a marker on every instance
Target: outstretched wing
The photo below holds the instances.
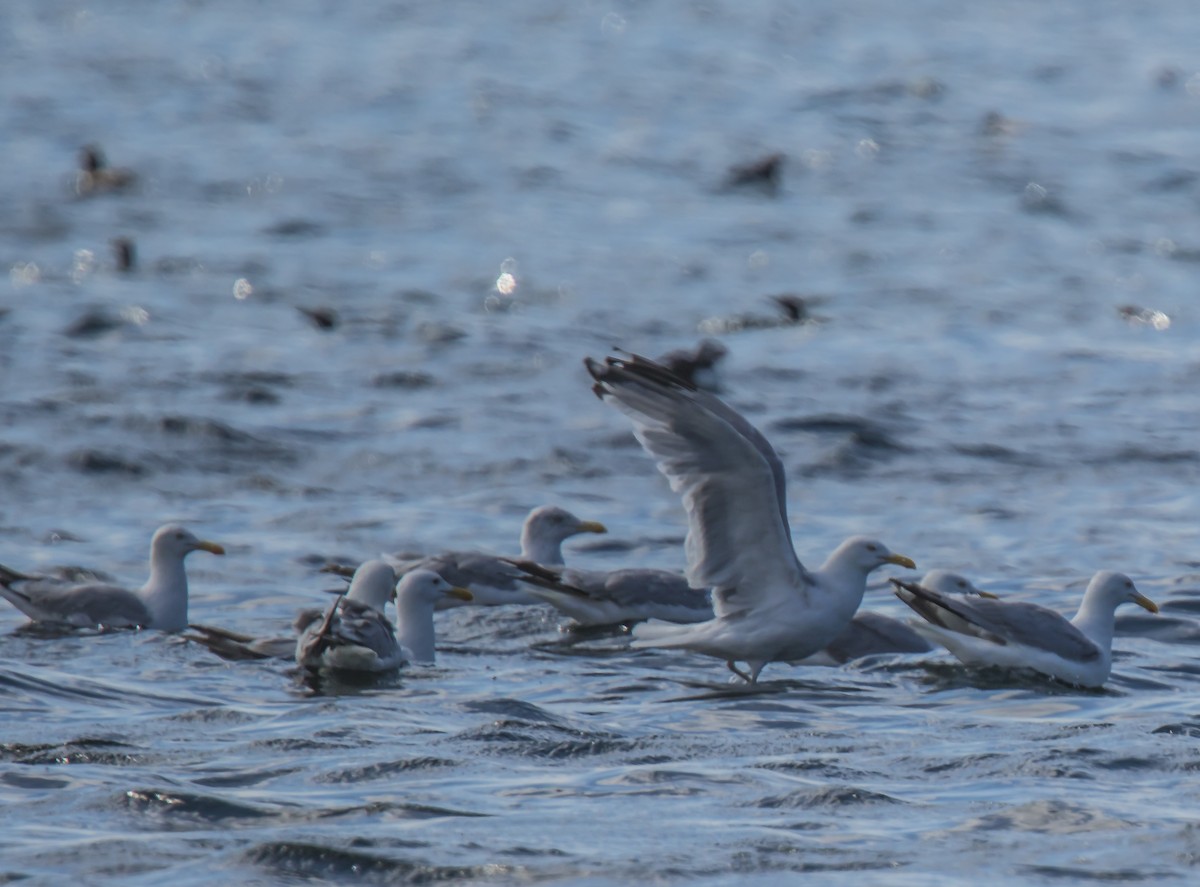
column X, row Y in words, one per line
column 731, row 481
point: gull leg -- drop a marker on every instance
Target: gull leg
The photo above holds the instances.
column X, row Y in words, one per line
column 732, row 666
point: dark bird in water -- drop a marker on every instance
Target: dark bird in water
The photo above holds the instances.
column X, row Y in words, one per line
column 125, row 253
column 697, row 366
column 764, row 174
column 96, row 177
column 321, row 318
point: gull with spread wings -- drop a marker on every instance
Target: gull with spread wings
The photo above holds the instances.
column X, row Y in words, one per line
column 767, row 606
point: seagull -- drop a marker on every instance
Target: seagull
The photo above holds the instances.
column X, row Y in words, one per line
column 597, row 597
column 1017, row 634
column 492, row 580
column 356, row 635
column 162, row 603
column 767, row 606
column 870, row 634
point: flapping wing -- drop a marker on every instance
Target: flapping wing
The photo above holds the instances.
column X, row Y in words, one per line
column 1000, row 621
column 731, row 480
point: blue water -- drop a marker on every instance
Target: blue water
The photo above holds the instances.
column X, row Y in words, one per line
column 992, row 209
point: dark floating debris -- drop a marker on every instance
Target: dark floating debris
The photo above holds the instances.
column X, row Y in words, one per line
column 435, row 332
column 793, row 310
column 94, row 322
column 91, row 461
column 860, row 431
column 994, row 124
column 697, row 366
column 96, row 177
column 321, row 318
column 296, row 228
column 403, row 379
column 124, row 253
column 764, row 174
column 1167, row 78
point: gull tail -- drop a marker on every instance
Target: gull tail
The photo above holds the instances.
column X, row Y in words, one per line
column 236, row 646
column 943, row 615
column 312, row 648
column 656, row 633
column 547, row 581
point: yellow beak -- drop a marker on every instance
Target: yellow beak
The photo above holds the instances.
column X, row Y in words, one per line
column 211, row 547
column 900, row 561
column 591, row 526
column 1142, row 601
column 461, row 593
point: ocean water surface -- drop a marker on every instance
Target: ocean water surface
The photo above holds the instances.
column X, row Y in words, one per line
column 373, row 244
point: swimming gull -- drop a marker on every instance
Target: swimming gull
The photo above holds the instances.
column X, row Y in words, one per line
column 768, row 607
column 1016, row 634
column 598, row 597
column 162, row 603
column 356, row 635
column 494, row 581
column 871, row 634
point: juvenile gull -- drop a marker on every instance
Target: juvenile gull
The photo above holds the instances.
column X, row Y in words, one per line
column 355, row 633
column 162, row 603
column 597, row 597
column 1016, row 634
column 492, row 580
column 768, row 607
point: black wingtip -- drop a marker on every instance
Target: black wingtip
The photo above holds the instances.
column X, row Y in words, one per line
column 632, row 366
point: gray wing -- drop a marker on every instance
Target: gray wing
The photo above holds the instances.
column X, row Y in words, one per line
column 631, row 587
column 1001, row 622
column 467, row 568
column 349, row 624
column 731, row 480
column 872, row 633
column 362, row 626
column 596, row 597
column 82, row 606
